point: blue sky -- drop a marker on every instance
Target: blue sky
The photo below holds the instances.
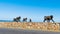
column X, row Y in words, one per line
column 34, row 9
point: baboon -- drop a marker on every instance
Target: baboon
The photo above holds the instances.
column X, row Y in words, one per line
column 24, row 19
column 30, row 20
column 17, row 19
column 48, row 18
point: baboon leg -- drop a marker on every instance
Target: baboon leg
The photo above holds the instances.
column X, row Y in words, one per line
column 44, row 20
column 53, row 20
column 23, row 20
column 18, row 20
column 26, row 20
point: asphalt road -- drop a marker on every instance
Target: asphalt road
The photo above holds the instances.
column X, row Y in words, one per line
column 20, row 31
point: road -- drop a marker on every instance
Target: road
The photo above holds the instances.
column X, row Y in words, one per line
column 20, row 31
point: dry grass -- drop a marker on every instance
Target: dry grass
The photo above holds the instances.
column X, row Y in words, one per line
column 36, row 26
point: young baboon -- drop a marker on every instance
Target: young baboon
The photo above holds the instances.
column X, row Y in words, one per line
column 24, row 19
column 30, row 20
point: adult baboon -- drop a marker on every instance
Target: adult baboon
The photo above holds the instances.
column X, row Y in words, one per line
column 24, row 19
column 17, row 19
column 48, row 18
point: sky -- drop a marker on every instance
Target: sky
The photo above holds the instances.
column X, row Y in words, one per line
column 34, row 9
